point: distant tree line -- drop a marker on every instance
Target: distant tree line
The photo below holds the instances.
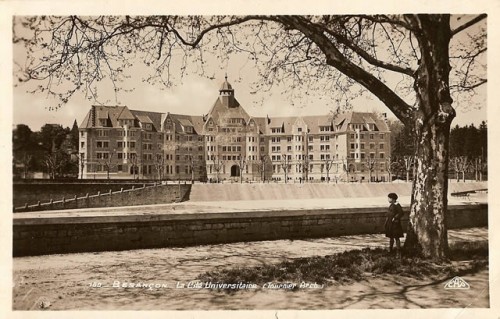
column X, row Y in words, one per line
column 468, row 151
column 52, row 151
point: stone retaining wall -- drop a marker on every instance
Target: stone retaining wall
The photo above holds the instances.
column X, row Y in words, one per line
column 145, row 195
column 39, row 236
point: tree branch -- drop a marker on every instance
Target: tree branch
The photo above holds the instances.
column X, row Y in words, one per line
column 368, row 58
column 335, row 58
column 469, row 24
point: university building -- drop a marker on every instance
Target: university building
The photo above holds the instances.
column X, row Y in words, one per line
column 230, row 144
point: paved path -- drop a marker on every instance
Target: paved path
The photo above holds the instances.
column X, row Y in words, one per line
column 240, row 206
column 63, row 281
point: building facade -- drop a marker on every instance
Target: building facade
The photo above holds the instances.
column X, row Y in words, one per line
column 230, row 144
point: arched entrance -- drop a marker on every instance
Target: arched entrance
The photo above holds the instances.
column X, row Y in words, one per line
column 235, row 171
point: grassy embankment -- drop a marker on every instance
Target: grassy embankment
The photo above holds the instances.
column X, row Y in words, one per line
column 356, row 265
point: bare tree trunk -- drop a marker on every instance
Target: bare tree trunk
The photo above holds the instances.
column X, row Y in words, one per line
column 427, row 226
column 429, row 198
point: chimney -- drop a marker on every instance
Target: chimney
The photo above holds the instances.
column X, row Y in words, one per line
column 92, row 115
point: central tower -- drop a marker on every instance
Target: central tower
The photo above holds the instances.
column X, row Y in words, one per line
column 226, row 95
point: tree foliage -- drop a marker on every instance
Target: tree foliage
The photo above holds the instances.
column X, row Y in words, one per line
column 48, row 150
column 469, row 141
column 68, row 54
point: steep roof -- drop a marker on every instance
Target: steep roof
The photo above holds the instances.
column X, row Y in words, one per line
column 234, row 110
column 144, row 119
column 86, row 121
column 189, row 120
column 226, row 86
column 126, row 114
column 107, row 112
column 149, row 117
column 344, row 119
column 261, row 122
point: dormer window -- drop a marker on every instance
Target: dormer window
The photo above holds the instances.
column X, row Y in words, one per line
column 149, row 127
column 189, row 129
column 103, row 122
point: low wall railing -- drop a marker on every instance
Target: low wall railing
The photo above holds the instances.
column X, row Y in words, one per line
column 72, row 202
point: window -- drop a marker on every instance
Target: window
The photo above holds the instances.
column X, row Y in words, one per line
column 299, row 129
column 102, row 144
column 102, row 133
column 372, row 136
column 381, row 146
column 381, row 135
column 120, row 155
column 362, row 155
column 102, row 155
column 82, row 144
column 381, row 155
column 120, row 144
column 103, row 122
column 362, row 146
column 352, row 146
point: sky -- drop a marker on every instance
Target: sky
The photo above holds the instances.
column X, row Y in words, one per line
column 194, row 95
